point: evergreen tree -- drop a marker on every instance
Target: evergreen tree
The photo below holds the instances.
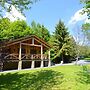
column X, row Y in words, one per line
column 60, row 43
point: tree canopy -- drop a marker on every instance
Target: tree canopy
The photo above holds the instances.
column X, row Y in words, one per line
column 86, row 26
column 40, row 31
column 13, row 30
column 86, row 6
column 20, row 5
column 63, row 44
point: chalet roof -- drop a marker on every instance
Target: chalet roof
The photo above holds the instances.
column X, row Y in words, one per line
column 4, row 44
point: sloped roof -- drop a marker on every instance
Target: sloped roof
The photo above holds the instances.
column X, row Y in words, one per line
column 8, row 43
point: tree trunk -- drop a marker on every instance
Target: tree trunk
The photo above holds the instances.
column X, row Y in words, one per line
column 62, row 57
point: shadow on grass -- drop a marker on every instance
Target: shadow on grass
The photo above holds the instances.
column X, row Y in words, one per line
column 84, row 75
column 39, row 80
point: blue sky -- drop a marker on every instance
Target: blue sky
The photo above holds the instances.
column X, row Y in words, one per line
column 48, row 12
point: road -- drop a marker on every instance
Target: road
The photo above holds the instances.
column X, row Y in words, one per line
column 83, row 62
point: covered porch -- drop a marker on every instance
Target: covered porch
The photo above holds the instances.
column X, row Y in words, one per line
column 26, row 53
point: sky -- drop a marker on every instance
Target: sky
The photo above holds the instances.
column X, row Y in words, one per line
column 49, row 12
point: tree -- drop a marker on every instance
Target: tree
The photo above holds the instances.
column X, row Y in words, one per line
column 13, row 30
column 80, row 39
column 84, row 51
column 41, row 31
column 20, row 5
column 17, row 29
column 86, row 30
column 86, row 26
column 60, row 43
column 4, row 25
column 86, row 7
column 71, row 50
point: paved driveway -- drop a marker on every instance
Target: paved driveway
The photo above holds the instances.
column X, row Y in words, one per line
column 83, row 62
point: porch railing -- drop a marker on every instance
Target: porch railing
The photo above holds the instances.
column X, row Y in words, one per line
column 13, row 56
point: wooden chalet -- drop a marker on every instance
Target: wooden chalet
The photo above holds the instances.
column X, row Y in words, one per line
column 27, row 52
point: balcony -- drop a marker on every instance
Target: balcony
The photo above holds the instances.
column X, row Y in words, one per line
column 15, row 57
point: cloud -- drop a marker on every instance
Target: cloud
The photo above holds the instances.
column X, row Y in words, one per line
column 14, row 14
column 78, row 17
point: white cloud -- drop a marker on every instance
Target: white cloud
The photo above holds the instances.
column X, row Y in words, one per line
column 14, row 14
column 78, row 17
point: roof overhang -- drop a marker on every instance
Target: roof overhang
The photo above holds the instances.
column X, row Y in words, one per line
column 16, row 41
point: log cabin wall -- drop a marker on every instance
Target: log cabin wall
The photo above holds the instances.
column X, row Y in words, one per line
column 32, row 46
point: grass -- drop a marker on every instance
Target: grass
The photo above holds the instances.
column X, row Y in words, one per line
column 86, row 58
column 55, row 78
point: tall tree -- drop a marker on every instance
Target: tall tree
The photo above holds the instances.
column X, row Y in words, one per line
column 61, row 37
column 71, row 52
column 40, row 30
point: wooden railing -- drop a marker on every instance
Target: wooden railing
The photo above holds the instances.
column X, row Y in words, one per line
column 14, row 56
column 11, row 56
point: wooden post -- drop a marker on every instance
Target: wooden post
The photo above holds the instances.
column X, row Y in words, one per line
column 32, row 40
column 41, row 55
column 20, row 61
column 49, row 61
column 26, row 52
column 33, row 64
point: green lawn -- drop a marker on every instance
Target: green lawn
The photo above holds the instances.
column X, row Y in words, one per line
column 86, row 58
column 55, row 78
